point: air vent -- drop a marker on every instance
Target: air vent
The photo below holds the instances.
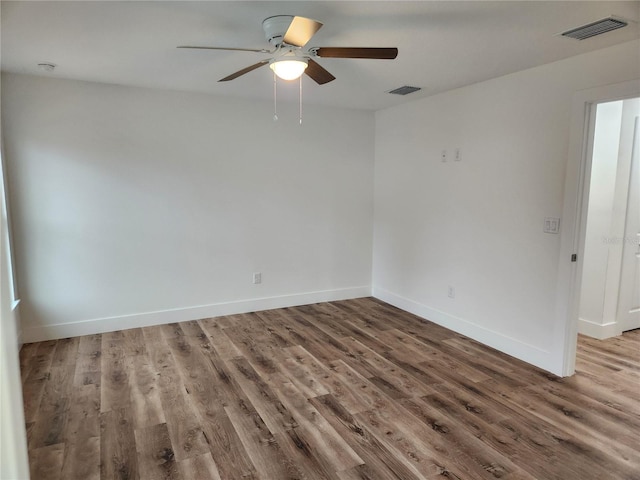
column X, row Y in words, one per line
column 406, row 90
column 596, row 28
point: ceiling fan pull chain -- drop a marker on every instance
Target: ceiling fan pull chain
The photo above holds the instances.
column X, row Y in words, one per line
column 275, row 98
column 300, row 100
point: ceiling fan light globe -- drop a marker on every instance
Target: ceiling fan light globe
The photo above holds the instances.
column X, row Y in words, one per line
column 288, row 69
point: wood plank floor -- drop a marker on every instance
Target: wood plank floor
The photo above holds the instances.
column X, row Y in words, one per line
column 343, row 390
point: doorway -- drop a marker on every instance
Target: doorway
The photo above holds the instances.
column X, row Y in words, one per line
column 576, row 196
column 629, row 300
column 610, row 284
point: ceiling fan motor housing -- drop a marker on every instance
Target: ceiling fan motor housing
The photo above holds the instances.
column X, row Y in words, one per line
column 275, row 28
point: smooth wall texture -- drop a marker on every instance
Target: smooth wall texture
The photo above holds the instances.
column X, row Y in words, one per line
column 136, row 206
column 477, row 224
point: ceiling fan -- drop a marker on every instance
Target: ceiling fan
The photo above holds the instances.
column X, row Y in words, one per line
column 287, row 35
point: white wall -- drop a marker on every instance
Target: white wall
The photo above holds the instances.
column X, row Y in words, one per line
column 477, row 224
column 137, row 206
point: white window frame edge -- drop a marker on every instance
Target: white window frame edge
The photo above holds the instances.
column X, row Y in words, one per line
column 9, row 237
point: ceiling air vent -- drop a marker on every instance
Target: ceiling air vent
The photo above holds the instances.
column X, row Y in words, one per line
column 596, row 28
column 406, row 90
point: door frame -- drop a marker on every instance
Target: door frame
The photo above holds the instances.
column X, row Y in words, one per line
column 574, row 213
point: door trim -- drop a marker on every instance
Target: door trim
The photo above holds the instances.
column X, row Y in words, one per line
column 572, row 238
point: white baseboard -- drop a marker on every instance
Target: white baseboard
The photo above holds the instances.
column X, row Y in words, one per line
column 525, row 352
column 102, row 325
column 596, row 330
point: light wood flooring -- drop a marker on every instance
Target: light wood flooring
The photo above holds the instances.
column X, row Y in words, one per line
column 343, row 390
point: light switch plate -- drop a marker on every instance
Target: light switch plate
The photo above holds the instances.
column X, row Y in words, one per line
column 551, row 225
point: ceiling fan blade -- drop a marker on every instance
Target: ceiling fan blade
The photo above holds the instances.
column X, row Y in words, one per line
column 263, row 50
column 318, row 73
column 356, row 52
column 300, row 31
column 243, row 71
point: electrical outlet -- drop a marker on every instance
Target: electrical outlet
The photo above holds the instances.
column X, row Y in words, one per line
column 443, row 155
column 451, row 292
column 257, row 278
column 458, row 155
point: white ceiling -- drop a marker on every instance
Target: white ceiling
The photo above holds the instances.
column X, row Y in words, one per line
column 442, row 45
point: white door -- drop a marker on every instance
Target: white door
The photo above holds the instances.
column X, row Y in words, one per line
column 629, row 293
